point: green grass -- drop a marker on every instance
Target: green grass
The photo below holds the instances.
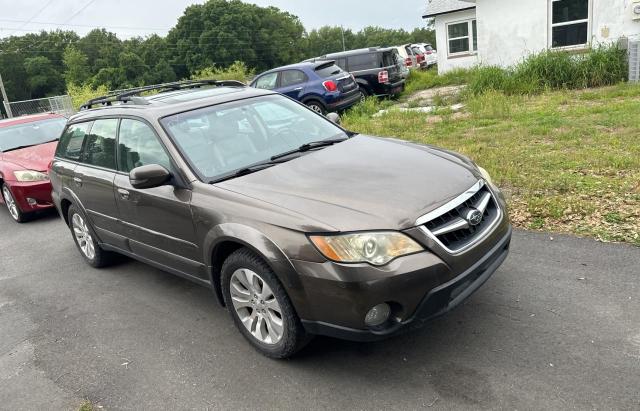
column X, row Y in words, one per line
column 422, row 80
column 568, row 161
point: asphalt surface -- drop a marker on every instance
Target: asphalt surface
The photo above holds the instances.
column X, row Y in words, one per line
column 557, row 327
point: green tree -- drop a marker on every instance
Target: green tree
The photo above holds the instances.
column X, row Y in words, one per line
column 76, row 67
column 44, row 79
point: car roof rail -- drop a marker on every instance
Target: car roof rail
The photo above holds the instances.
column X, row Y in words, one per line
column 132, row 95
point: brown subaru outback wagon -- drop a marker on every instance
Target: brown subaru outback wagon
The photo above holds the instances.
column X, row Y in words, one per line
column 298, row 226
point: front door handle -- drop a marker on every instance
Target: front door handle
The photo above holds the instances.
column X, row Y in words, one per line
column 78, row 181
column 124, row 194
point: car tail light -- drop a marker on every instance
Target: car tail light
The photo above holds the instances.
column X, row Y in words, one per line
column 429, row 52
column 330, row 85
column 421, row 58
column 408, row 62
column 383, row 76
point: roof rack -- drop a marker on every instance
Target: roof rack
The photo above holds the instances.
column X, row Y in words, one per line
column 132, row 95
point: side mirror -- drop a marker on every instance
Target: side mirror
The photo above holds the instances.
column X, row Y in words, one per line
column 334, row 117
column 149, row 176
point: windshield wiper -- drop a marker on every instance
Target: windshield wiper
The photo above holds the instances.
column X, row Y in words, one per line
column 27, row 146
column 246, row 170
column 309, row 146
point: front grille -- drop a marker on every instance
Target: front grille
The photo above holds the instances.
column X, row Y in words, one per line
column 464, row 221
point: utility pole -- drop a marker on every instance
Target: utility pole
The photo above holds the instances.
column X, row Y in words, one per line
column 344, row 48
column 5, row 99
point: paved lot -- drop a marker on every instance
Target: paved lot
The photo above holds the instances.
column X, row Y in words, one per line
column 557, row 327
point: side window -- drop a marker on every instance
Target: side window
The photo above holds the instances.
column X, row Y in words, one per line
column 70, row 145
column 292, row 77
column 268, row 81
column 139, row 146
column 100, row 147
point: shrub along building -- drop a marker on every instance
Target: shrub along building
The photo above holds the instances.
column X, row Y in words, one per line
column 502, row 32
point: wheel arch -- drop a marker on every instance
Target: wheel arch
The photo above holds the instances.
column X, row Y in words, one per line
column 226, row 238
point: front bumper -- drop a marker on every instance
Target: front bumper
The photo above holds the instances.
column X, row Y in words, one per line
column 421, row 285
column 39, row 192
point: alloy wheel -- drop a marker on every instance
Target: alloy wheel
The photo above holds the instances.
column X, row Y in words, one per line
column 256, row 306
column 316, row 108
column 11, row 203
column 83, row 236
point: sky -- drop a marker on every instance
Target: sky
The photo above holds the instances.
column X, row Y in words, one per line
column 129, row 18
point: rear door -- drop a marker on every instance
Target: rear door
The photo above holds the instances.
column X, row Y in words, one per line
column 292, row 83
column 157, row 221
column 67, row 158
column 94, row 175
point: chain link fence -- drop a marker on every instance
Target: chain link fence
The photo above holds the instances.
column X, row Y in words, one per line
column 58, row 104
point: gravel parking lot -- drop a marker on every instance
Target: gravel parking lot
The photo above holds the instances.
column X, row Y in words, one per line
column 557, row 327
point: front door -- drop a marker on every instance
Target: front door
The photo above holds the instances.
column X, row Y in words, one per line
column 158, row 220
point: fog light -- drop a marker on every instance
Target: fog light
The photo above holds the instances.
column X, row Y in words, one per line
column 378, row 315
column 31, row 201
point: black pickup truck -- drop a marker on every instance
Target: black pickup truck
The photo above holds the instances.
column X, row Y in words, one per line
column 378, row 71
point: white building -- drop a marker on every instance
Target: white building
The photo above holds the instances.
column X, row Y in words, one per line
column 502, row 32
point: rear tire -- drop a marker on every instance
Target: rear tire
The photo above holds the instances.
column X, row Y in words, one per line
column 12, row 206
column 363, row 94
column 317, row 106
column 260, row 307
column 85, row 239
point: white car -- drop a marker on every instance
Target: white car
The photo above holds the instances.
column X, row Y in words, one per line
column 409, row 57
column 431, row 55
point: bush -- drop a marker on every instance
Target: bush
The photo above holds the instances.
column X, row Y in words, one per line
column 552, row 70
column 236, row 71
column 82, row 94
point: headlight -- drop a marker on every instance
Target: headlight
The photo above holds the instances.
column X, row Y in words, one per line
column 30, row 175
column 485, row 175
column 373, row 248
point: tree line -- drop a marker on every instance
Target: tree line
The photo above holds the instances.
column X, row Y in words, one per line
column 214, row 34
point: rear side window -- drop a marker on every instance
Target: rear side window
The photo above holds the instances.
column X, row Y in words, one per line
column 100, row 147
column 292, row 77
column 391, row 58
column 328, row 70
column 363, row 62
column 139, row 146
column 70, row 145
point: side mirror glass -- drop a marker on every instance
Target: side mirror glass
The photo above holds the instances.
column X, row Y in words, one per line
column 149, row 176
column 334, row 117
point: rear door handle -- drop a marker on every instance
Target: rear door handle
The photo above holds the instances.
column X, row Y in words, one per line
column 78, row 181
column 297, row 89
column 124, row 194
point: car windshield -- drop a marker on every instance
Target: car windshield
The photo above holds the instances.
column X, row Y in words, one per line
column 31, row 134
column 225, row 138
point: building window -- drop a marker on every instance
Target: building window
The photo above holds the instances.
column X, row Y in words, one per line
column 462, row 37
column 569, row 23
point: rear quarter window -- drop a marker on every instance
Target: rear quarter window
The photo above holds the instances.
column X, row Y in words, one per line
column 70, row 144
column 363, row 62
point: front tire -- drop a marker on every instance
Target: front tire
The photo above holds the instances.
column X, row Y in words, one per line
column 85, row 239
column 12, row 206
column 260, row 307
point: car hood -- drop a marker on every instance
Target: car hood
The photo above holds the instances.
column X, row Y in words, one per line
column 364, row 183
column 32, row 158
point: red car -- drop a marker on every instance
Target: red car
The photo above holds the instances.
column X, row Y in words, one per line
column 27, row 145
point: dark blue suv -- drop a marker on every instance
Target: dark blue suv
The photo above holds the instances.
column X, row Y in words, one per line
column 322, row 86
